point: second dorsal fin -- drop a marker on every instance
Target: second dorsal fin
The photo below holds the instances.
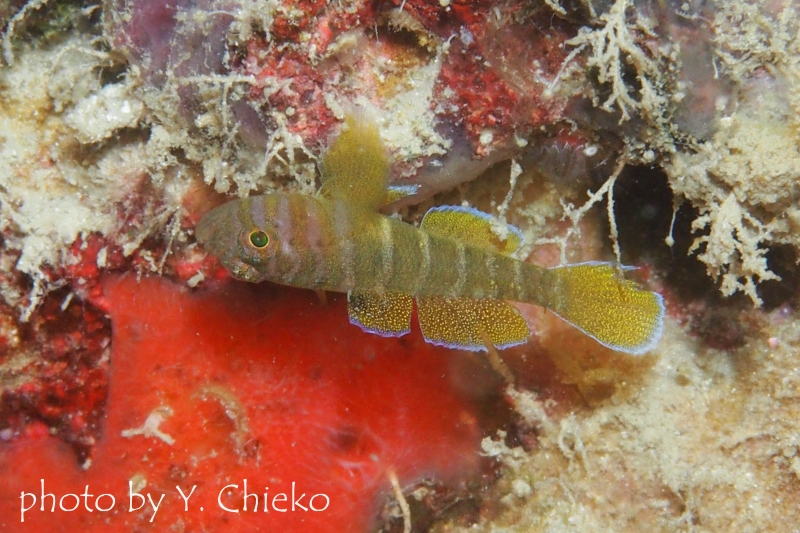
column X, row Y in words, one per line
column 472, row 227
column 355, row 167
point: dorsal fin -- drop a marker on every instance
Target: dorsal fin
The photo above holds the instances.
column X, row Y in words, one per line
column 356, row 167
column 472, row 227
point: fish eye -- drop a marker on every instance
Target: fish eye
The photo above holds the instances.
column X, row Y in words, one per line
column 259, row 239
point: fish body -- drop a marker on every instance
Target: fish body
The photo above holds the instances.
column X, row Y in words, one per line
column 455, row 265
column 323, row 244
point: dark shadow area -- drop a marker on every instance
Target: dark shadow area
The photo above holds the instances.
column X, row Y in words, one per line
column 643, row 209
column 783, row 261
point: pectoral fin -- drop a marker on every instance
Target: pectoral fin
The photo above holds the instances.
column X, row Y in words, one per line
column 465, row 323
column 356, row 167
column 473, row 227
column 387, row 314
column 398, row 192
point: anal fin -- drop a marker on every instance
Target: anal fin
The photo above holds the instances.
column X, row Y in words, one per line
column 387, row 314
column 465, row 323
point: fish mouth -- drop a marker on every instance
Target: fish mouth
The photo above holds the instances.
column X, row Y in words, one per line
column 245, row 272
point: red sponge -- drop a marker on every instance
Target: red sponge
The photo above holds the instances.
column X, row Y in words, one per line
column 253, row 382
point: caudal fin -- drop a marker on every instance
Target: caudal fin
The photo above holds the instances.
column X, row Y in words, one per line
column 614, row 311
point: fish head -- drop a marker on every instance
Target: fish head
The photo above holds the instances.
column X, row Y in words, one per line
column 247, row 245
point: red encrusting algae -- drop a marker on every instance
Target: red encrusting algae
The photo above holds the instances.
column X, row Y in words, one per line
column 56, row 372
column 248, row 382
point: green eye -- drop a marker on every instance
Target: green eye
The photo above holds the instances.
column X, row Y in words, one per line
column 259, row 239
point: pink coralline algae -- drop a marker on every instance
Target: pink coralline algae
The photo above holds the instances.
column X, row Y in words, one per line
column 298, row 66
column 495, row 70
column 61, row 376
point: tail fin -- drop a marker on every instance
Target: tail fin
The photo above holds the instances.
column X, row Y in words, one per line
column 614, row 311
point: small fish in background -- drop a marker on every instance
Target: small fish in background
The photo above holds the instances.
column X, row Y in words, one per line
column 456, row 267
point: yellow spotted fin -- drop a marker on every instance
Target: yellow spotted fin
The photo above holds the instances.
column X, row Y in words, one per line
column 387, row 314
column 465, row 322
column 355, row 168
column 595, row 299
column 473, row 227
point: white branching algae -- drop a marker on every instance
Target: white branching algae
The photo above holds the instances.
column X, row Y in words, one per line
column 726, row 133
column 744, row 178
column 613, row 46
